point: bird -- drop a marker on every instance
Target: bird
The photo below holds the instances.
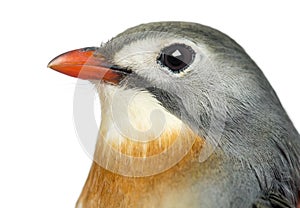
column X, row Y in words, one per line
column 188, row 119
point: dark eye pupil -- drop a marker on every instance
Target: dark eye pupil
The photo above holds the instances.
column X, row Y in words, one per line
column 173, row 61
column 176, row 57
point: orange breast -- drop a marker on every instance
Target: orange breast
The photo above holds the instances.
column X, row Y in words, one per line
column 107, row 189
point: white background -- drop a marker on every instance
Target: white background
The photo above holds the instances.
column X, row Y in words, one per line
column 42, row 163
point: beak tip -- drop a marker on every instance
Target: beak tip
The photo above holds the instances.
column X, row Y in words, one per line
column 54, row 63
column 49, row 65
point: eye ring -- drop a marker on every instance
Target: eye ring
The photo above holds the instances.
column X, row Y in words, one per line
column 176, row 57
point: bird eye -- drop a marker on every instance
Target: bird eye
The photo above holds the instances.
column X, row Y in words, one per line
column 176, row 57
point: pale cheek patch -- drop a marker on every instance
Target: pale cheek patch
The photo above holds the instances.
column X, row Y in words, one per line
column 144, row 53
column 141, row 57
column 140, row 53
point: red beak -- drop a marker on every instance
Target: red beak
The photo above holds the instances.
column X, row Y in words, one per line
column 86, row 63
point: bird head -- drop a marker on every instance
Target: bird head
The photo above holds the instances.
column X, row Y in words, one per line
column 162, row 83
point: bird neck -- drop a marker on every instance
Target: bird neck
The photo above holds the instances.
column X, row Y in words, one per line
column 140, row 147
